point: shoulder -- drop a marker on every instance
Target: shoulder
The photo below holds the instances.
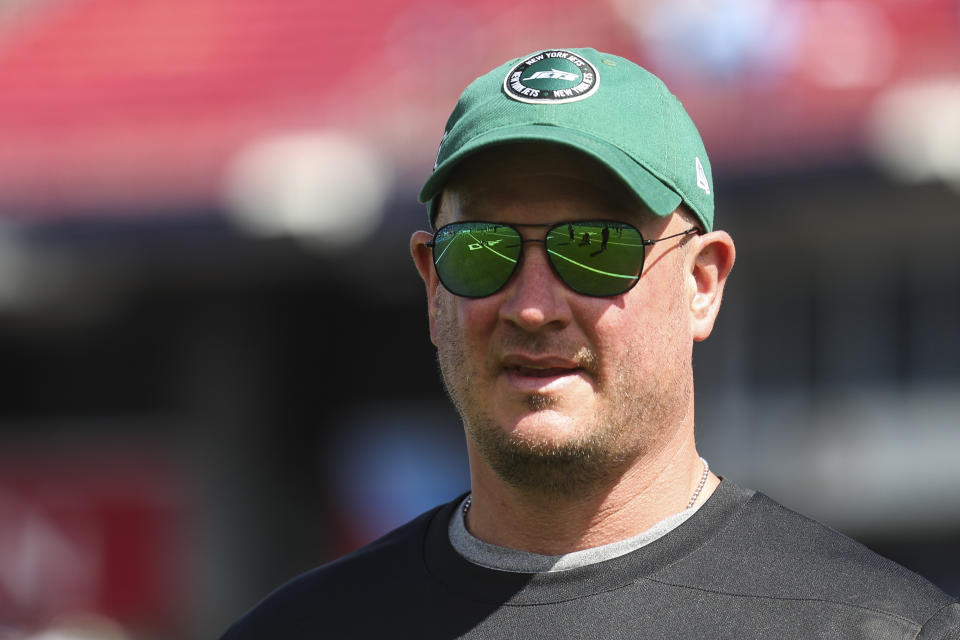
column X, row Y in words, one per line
column 766, row 550
column 392, row 562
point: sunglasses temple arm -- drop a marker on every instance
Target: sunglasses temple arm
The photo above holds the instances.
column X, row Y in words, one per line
column 676, row 235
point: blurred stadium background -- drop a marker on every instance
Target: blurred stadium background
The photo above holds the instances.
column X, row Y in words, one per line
column 213, row 350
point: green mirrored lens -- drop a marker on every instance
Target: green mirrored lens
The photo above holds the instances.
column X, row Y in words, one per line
column 475, row 259
column 596, row 258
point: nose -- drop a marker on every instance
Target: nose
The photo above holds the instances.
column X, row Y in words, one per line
column 535, row 297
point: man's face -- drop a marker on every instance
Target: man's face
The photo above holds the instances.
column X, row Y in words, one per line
column 557, row 389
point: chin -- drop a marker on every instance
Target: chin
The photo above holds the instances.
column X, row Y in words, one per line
column 541, row 452
column 538, row 424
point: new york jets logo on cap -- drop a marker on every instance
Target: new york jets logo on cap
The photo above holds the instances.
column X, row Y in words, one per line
column 551, row 76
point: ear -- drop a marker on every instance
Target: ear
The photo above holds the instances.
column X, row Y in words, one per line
column 711, row 258
column 423, row 260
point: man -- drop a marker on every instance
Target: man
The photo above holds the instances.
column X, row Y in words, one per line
column 591, row 514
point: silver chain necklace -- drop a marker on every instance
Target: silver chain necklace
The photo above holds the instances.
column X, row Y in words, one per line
column 693, row 498
column 703, row 481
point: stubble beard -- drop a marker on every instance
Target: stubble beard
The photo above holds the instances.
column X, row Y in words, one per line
column 626, row 427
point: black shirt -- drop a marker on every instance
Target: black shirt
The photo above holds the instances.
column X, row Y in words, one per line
column 742, row 566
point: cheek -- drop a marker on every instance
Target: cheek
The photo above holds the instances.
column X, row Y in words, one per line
column 623, row 339
column 463, row 324
column 650, row 326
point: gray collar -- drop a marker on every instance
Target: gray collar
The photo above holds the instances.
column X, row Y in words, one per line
column 503, row 559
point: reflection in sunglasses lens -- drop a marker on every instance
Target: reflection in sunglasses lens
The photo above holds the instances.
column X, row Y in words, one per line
column 596, row 258
column 476, row 259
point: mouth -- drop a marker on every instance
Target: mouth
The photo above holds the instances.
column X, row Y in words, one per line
column 529, row 374
column 542, row 372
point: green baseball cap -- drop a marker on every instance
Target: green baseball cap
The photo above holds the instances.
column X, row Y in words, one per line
column 599, row 104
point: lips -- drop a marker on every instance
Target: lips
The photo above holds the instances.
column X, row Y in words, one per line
column 540, row 367
column 546, row 372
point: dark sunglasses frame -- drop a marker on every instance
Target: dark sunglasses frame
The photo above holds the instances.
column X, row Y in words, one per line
column 516, row 226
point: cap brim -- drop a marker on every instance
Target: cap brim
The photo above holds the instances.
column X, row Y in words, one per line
column 657, row 196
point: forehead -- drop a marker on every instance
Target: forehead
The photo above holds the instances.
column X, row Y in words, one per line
column 550, row 181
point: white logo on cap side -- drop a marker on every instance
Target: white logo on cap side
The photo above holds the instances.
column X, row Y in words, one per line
column 436, row 161
column 702, row 178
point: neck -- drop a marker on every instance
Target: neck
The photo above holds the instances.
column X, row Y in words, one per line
column 649, row 490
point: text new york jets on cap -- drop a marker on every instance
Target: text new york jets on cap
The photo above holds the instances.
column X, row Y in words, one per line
column 551, row 76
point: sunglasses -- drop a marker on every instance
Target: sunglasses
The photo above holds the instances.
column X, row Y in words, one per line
column 597, row 258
